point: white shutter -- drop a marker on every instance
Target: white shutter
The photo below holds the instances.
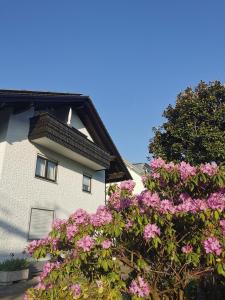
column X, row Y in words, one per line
column 40, row 223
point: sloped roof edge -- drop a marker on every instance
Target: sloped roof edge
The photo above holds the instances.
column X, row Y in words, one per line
column 87, row 112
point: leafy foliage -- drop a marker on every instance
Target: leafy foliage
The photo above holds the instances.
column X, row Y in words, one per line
column 148, row 246
column 14, row 264
column 195, row 127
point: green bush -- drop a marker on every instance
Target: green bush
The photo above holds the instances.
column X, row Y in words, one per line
column 14, row 264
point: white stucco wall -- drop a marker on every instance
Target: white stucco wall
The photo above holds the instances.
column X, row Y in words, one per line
column 20, row 190
column 78, row 124
column 139, row 187
column 4, row 120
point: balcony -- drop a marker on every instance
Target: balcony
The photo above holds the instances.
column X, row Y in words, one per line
column 47, row 131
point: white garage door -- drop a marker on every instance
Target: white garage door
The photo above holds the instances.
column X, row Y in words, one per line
column 40, row 223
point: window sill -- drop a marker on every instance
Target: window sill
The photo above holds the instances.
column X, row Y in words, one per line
column 86, row 192
column 45, row 179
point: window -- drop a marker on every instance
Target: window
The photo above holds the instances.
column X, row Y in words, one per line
column 40, row 223
column 46, row 169
column 86, row 183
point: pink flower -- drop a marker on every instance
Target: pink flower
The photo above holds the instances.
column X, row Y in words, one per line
column 155, row 175
column 53, row 242
column 114, row 200
column 222, row 223
column 212, row 245
column 48, row 267
column 139, row 287
column 150, row 231
column 86, row 243
column 150, row 199
column 186, row 170
column 166, row 206
column 129, row 224
column 57, row 224
column 127, row 185
column 101, row 217
column 26, row 297
column 157, row 163
column 49, row 241
column 170, row 166
column 75, row 289
column 71, row 230
column 201, row 205
column 40, row 286
column 106, row 244
column 144, row 178
column 216, row 201
column 209, row 169
column 187, row 249
column 188, row 205
column 80, row 217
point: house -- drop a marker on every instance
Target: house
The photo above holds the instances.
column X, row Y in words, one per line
column 137, row 171
column 55, row 156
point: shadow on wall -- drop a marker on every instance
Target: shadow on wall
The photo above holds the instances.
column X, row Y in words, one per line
column 70, row 164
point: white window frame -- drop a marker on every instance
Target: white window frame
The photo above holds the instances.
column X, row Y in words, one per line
column 90, row 178
column 47, row 160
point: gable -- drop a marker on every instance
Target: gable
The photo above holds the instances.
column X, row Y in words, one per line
column 86, row 118
column 75, row 121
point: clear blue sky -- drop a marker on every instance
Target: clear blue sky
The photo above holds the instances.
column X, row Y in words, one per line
column 131, row 56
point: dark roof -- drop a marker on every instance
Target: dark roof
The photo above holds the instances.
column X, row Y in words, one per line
column 87, row 113
column 139, row 168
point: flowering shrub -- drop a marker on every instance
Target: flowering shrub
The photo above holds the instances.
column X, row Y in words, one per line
column 147, row 246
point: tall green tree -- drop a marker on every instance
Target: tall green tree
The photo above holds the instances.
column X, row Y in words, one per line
column 195, row 126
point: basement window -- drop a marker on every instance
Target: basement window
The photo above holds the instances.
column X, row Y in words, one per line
column 87, row 183
column 40, row 223
column 46, row 169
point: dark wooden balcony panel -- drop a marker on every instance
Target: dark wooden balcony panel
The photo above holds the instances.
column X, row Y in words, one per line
column 48, row 127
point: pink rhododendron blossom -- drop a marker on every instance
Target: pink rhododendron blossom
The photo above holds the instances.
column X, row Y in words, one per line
column 48, row 267
column 188, row 205
column 144, row 178
column 216, row 201
column 53, row 242
column 75, row 289
column 166, row 206
column 49, row 241
column 57, row 224
column 26, row 297
column 200, row 205
column 106, row 244
column 187, row 249
column 80, row 217
column 125, row 202
column 139, row 287
column 101, row 217
column 212, row 245
column 150, row 231
column 186, row 170
column 40, row 286
column 127, row 185
column 114, row 200
column 222, row 223
column 170, row 166
column 71, row 230
column 157, row 163
column 155, row 175
column 150, row 199
column 128, row 224
column 209, row 169
column 86, row 243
